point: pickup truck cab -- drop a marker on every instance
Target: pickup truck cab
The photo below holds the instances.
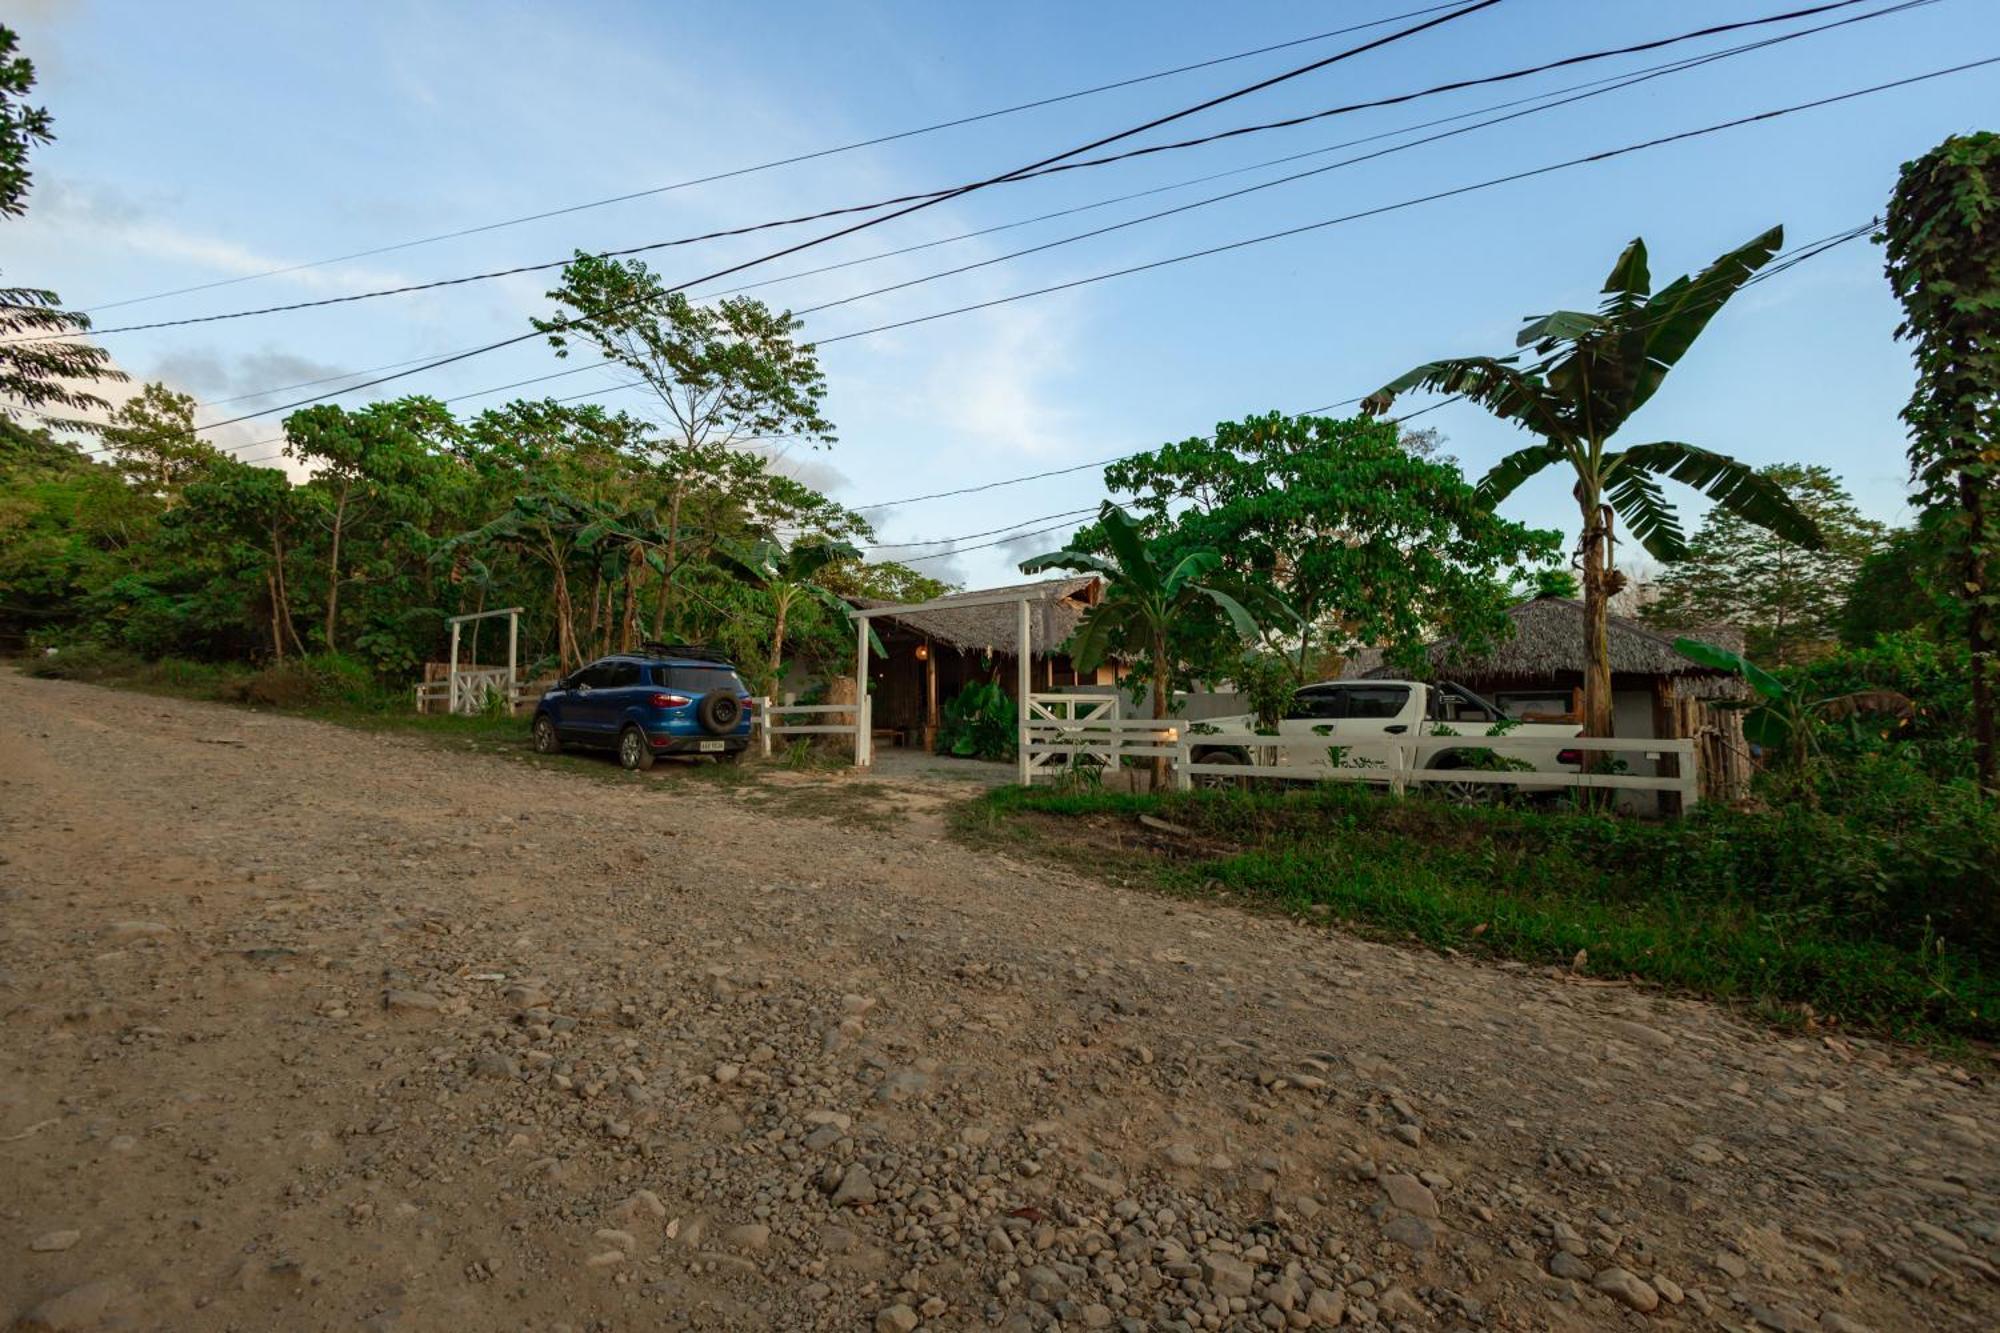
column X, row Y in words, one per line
column 1356, row 723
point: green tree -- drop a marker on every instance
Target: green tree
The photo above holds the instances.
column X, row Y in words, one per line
column 790, row 576
column 1371, row 542
column 37, row 359
column 1788, row 600
column 1943, row 259
column 1905, row 585
column 369, row 467
column 1589, row 373
column 727, row 375
column 1148, row 601
column 152, row 436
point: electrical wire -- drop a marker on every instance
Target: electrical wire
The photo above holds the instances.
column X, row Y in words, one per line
column 936, row 196
column 1475, row 7
column 1511, row 178
column 783, row 161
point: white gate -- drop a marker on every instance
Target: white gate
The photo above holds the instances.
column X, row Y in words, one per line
column 768, row 725
column 1084, row 731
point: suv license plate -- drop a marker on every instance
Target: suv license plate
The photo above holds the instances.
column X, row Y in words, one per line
column 707, row 746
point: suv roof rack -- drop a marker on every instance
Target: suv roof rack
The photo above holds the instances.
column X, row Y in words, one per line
column 692, row 651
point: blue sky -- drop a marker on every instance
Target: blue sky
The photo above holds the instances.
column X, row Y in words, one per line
column 205, row 141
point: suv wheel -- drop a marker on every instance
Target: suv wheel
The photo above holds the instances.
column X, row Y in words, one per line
column 546, row 739
column 634, row 750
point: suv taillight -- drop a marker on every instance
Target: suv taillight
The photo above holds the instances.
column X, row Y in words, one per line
column 671, row 701
column 1569, row 756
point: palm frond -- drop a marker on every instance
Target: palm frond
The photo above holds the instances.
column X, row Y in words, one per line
column 1669, row 322
column 1128, row 545
column 1508, row 474
column 1194, row 565
column 1636, row 496
column 1506, row 390
column 1737, row 487
column 1069, row 558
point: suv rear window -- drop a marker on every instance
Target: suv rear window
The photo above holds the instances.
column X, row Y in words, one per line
column 698, row 679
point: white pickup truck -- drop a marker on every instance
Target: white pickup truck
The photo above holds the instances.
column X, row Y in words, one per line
column 1356, row 722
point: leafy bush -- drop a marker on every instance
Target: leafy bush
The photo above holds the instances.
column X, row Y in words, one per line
column 322, row 679
column 979, row 723
column 84, row 661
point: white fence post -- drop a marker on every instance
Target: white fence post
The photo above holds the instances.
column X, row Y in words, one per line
column 764, row 723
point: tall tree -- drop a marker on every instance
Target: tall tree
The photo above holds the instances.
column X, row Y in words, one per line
column 1943, row 258
column 1149, row 601
column 40, row 367
column 1588, row 374
column 152, row 436
column 1370, row 541
column 1788, row 600
column 727, row 375
column 364, row 465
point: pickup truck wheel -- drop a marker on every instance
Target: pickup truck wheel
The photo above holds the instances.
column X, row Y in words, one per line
column 1218, row 781
column 635, row 752
column 547, row 741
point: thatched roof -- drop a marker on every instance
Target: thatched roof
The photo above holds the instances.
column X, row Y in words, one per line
column 1055, row 607
column 1548, row 643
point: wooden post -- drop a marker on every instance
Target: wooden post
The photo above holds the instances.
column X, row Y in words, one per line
column 1024, row 682
column 451, row 678
column 862, row 740
column 930, row 696
column 513, row 658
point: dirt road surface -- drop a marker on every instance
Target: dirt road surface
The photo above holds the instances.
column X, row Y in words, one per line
column 310, row 1028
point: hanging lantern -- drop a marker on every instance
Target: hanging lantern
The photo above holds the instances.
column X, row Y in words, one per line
column 923, row 652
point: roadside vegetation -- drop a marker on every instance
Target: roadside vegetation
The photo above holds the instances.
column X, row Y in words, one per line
column 1877, row 917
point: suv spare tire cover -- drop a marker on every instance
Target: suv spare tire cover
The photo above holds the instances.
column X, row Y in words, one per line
column 718, row 712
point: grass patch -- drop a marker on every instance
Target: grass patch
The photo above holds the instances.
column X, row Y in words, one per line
column 1779, row 911
column 863, row 806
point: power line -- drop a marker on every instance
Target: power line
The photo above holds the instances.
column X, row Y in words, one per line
column 1606, row 155
column 935, row 196
column 784, row 161
column 1607, row 87
column 823, row 238
column 1620, row 80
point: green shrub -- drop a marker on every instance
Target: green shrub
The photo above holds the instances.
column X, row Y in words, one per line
column 979, row 723
column 84, row 661
column 316, row 681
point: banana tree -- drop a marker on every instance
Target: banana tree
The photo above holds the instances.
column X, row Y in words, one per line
column 1577, row 379
column 1145, row 602
column 1784, row 717
column 788, row 576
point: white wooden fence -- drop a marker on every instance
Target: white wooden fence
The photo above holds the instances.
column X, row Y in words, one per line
column 467, row 691
column 1084, row 731
column 857, row 726
column 1404, row 761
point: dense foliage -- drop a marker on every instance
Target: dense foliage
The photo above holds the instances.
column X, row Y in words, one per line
column 1787, row 599
column 1367, row 539
column 1943, row 254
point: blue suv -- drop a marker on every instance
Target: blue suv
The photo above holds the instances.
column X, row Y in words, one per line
column 668, row 699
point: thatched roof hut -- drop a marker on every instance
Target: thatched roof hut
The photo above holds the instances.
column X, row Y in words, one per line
column 1054, row 610
column 928, row 657
column 1547, row 648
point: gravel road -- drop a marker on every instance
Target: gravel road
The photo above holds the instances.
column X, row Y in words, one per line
column 312, row 1028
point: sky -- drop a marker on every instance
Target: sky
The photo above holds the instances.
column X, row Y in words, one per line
column 203, row 142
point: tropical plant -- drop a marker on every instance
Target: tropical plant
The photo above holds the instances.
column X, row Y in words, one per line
column 41, row 365
column 1943, row 259
column 1147, row 603
column 1578, row 379
column 790, row 576
column 979, row 722
column 1785, row 716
